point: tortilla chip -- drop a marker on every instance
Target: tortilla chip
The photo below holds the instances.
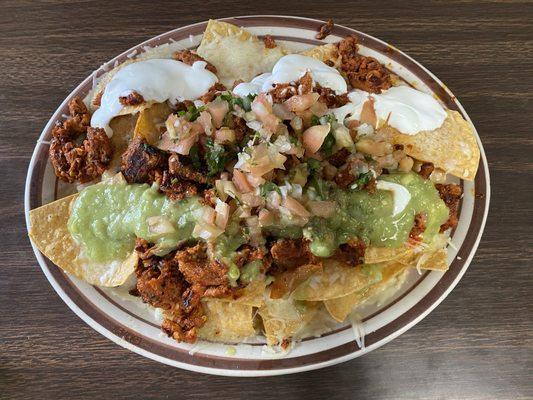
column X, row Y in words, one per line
column 335, row 280
column 340, row 307
column 452, row 147
column 50, row 234
column 252, row 294
column 123, row 127
column 227, row 322
column 436, row 260
column 149, row 121
column 376, row 255
column 326, row 53
column 236, row 53
column 289, row 280
column 284, row 318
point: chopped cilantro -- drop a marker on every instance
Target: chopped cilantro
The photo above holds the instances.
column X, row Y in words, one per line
column 268, row 187
column 325, row 119
column 244, row 102
column 327, row 146
column 362, row 180
column 192, row 112
column 315, row 120
column 195, row 157
column 321, row 187
column 216, row 157
column 313, row 165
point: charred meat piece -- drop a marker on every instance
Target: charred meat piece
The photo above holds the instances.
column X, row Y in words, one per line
column 365, row 73
column 351, row 253
column 426, row 169
column 325, row 30
column 132, row 99
column 269, row 42
column 290, row 253
column 189, row 57
column 176, row 188
column 142, row 163
column 213, row 92
column 419, row 226
column 75, row 162
column 330, row 98
column 451, row 195
column 199, row 269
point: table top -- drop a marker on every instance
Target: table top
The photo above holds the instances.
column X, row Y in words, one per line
column 476, row 345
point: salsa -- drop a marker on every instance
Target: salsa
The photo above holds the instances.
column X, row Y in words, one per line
column 370, row 216
column 107, row 218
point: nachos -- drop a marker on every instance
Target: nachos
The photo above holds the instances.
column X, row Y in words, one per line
column 250, row 190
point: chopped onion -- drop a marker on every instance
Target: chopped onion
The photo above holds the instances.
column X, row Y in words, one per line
column 368, row 113
column 206, row 121
column 297, row 124
column 262, row 108
column 218, row 110
column 295, row 207
column 342, row 137
column 301, row 102
column 224, row 135
column 323, row 209
column 314, row 136
column 265, row 217
column 206, row 231
column 281, row 111
column 159, row 225
column 222, row 214
column 252, row 200
column 240, row 181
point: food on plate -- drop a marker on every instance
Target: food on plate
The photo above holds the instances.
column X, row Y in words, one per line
column 248, row 190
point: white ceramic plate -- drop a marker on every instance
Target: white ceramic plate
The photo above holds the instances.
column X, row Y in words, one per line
column 132, row 325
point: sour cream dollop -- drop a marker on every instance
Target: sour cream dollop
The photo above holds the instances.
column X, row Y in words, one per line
column 404, row 108
column 400, row 195
column 156, row 80
column 290, row 68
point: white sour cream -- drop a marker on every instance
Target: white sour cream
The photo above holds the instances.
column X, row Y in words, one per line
column 156, row 80
column 400, row 195
column 404, row 108
column 290, row 68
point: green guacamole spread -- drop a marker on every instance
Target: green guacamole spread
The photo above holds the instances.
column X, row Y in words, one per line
column 107, row 218
column 369, row 216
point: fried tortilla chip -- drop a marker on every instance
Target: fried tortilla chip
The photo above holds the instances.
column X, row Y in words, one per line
column 340, row 307
column 326, row 53
column 252, row 294
column 284, row 318
column 150, row 119
column 376, row 255
column 434, row 260
column 452, row 147
column 50, row 234
column 123, row 127
column 236, row 53
column 335, row 280
column 227, row 322
column 289, row 280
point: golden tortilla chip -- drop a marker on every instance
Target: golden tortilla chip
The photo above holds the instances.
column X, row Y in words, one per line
column 376, row 255
column 236, row 53
column 252, row 294
column 452, row 147
column 284, row 318
column 326, row 52
column 227, row 322
column 123, row 127
column 335, row 280
column 340, row 307
column 435, row 260
column 150, row 119
column 50, row 234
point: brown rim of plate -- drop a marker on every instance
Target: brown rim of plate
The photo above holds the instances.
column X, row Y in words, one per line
column 173, row 353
